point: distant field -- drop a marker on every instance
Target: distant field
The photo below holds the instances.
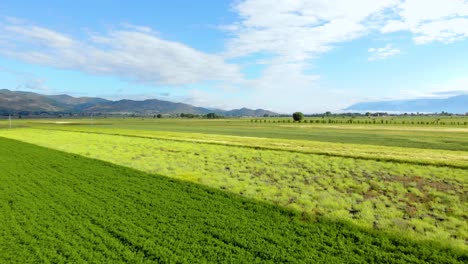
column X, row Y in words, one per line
column 415, row 183
column 63, row 208
column 456, row 159
column 445, row 137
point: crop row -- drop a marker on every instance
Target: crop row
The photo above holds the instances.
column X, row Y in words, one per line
column 61, row 208
column 422, row 137
column 456, row 159
column 423, row 201
column 374, row 121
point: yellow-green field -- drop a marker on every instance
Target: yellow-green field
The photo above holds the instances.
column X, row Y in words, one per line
column 401, row 179
column 58, row 207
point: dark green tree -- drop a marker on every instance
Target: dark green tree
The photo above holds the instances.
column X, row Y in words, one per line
column 298, row 116
column 213, row 116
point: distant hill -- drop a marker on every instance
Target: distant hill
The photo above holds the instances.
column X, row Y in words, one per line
column 18, row 101
column 147, row 107
column 77, row 103
column 456, row 104
column 249, row 112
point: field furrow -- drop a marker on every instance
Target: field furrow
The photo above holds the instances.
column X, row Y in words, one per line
column 426, row 202
column 48, row 215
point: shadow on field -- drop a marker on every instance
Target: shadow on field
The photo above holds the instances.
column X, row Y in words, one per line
column 60, row 207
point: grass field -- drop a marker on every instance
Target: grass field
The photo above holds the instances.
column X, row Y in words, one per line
column 61, row 208
column 409, row 181
column 397, row 135
column 457, row 159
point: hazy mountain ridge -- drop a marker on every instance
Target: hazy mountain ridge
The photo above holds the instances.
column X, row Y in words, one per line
column 249, row 112
column 18, row 101
column 456, row 104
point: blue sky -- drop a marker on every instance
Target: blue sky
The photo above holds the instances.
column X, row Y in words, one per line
column 297, row 55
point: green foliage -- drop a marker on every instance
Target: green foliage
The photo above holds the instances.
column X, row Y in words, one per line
column 213, row 116
column 298, row 116
column 394, row 134
column 316, row 184
column 63, row 208
column 455, row 159
column 184, row 115
column 375, row 180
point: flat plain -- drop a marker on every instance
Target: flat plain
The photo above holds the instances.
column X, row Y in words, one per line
column 405, row 179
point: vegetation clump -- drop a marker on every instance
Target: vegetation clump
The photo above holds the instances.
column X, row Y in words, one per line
column 298, row 116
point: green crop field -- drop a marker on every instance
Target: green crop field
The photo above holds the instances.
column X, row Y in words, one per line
column 398, row 135
column 61, row 208
column 404, row 185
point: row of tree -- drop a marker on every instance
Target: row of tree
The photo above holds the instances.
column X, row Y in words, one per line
column 208, row 116
column 299, row 117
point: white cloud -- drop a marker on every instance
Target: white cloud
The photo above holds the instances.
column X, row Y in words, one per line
column 26, row 80
column 137, row 28
column 282, row 88
column 132, row 53
column 382, row 53
column 446, row 88
column 293, row 33
column 289, row 35
column 431, row 20
column 39, row 35
column 32, row 83
column 299, row 29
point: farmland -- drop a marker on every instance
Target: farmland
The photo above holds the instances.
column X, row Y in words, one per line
column 398, row 135
column 376, row 181
column 58, row 207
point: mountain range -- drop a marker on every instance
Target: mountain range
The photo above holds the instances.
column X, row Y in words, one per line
column 20, row 101
column 456, row 104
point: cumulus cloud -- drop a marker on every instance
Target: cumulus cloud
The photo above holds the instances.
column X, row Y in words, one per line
column 299, row 29
column 431, row 20
column 292, row 34
column 283, row 87
column 288, row 35
column 382, row 53
column 132, row 53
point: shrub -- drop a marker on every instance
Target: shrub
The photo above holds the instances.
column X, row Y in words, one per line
column 298, row 116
